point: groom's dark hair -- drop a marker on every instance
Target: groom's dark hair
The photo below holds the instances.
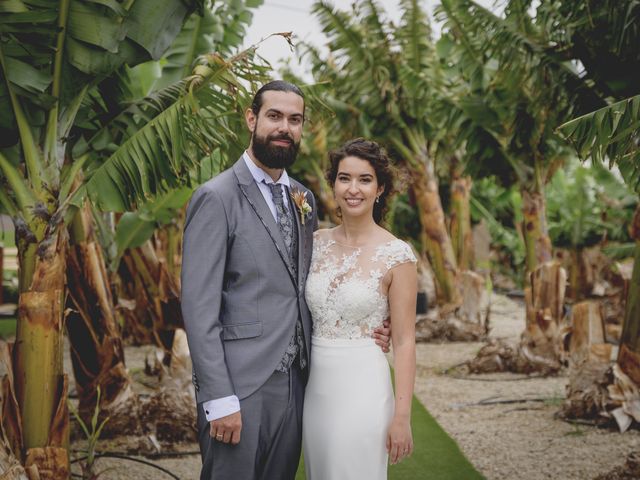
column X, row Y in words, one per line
column 277, row 85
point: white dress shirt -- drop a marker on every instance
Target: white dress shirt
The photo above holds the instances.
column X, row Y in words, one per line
column 221, row 407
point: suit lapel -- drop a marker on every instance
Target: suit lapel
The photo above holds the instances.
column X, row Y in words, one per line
column 250, row 190
column 300, row 230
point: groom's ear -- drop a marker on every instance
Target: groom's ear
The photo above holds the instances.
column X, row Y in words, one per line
column 250, row 118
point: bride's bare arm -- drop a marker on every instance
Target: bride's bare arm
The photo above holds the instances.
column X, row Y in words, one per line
column 402, row 305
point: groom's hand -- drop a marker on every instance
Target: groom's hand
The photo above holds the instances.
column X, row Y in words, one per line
column 383, row 335
column 226, row 429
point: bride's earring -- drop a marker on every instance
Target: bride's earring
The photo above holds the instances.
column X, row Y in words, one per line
column 378, row 199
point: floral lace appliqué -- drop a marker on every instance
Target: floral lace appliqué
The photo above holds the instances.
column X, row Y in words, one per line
column 343, row 288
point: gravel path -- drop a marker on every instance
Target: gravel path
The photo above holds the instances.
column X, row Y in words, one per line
column 520, row 440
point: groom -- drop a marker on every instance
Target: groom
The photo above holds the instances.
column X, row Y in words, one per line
column 246, row 253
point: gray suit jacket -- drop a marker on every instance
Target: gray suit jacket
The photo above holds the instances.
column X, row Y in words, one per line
column 240, row 296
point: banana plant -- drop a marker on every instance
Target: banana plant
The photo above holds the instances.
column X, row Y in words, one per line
column 603, row 35
column 511, row 93
column 586, row 206
column 610, row 135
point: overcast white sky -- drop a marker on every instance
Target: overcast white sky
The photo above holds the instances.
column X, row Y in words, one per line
column 286, row 15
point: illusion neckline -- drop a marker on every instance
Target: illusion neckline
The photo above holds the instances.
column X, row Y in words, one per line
column 331, row 239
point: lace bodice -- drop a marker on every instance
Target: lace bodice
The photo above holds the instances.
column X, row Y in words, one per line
column 344, row 285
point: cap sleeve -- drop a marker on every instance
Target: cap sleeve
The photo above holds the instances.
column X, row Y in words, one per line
column 396, row 253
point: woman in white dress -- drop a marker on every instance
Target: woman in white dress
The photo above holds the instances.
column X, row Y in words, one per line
column 360, row 275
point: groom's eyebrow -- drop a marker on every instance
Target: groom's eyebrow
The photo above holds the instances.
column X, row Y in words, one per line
column 275, row 110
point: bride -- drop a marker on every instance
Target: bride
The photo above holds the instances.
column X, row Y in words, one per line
column 360, row 275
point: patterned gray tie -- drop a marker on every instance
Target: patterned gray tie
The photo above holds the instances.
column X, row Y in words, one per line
column 285, row 224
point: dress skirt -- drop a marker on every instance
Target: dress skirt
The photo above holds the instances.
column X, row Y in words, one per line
column 347, row 411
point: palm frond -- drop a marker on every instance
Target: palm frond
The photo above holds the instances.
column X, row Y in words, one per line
column 364, row 65
column 610, row 134
column 135, row 228
column 413, row 35
column 162, row 154
column 603, row 35
column 221, row 29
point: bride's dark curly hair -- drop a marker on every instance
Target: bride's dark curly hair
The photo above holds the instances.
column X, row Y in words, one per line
column 376, row 156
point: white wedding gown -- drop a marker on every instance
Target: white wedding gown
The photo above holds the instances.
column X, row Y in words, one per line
column 349, row 398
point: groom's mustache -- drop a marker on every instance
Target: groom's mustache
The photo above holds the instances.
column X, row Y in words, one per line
column 284, row 136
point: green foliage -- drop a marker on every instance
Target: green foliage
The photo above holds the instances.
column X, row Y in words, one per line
column 620, row 251
column 100, row 36
column 381, row 75
column 404, row 219
column 155, row 144
column 143, row 142
column 92, row 433
column 506, row 92
column 603, row 35
column 610, row 134
column 135, row 228
column 586, row 206
column 501, row 209
column 221, row 29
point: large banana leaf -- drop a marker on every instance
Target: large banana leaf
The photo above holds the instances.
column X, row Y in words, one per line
column 135, row 228
column 220, row 29
column 192, row 121
column 117, row 117
column 99, row 37
column 504, row 77
column 604, row 36
column 610, row 134
column 51, row 53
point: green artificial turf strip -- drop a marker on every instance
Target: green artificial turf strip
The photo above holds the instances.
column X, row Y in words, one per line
column 7, row 327
column 436, row 456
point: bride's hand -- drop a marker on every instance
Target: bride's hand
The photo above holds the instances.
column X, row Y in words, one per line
column 382, row 335
column 399, row 439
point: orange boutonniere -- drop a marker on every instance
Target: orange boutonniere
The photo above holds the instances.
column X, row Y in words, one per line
column 300, row 199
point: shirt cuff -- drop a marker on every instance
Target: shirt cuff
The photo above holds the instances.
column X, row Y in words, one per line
column 221, row 407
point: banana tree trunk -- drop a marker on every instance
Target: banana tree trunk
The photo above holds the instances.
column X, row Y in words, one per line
column 541, row 343
column 461, row 234
column 169, row 247
column 153, row 295
column 578, row 288
column 97, row 353
column 629, row 354
column 536, row 237
column 587, row 341
column 437, row 240
column 40, row 384
column 156, row 299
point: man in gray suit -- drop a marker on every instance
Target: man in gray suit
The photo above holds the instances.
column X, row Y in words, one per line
column 246, row 252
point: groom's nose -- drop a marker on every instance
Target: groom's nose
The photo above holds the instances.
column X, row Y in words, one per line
column 283, row 126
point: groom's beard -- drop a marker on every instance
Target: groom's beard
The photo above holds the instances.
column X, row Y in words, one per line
column 274, row 156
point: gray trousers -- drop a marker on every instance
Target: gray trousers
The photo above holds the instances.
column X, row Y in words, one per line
column 271, row 435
